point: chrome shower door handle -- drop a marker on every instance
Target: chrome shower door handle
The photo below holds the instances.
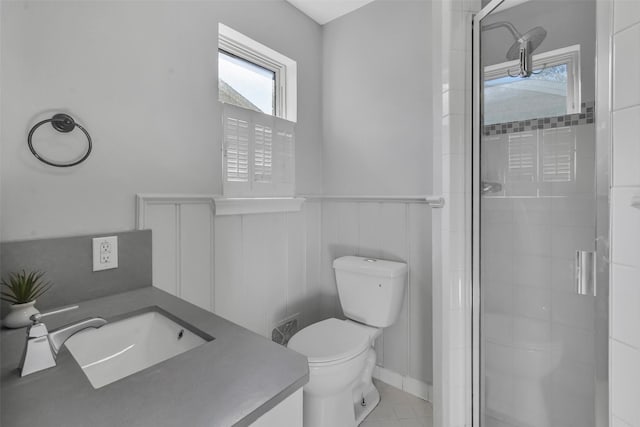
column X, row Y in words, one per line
column 585, row 273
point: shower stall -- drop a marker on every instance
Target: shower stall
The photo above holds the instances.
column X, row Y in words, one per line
column 540, row 218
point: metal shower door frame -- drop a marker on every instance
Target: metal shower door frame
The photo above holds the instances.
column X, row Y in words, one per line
column 604, row 168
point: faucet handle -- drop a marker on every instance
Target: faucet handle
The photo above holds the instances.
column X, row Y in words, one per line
column 36, row 318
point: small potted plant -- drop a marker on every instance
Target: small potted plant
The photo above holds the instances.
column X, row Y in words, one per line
column 21, row 290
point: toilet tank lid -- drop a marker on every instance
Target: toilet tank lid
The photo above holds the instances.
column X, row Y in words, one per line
column 370, row 266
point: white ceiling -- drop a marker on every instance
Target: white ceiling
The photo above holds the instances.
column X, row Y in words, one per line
column 323, row 11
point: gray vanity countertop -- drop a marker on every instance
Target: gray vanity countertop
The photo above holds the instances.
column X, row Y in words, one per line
column 229, row 381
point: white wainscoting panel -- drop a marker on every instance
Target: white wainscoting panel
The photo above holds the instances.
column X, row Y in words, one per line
column 398, row 231
column 230, row 300
column 162, row 219
column 259, row 269
column 296, row 244
column 394, row 246
column 264, row 241
column 266, row 268
column 254, row 269
column 420, row 351
column 183, row 244
column 312, row 211
column 196, row 252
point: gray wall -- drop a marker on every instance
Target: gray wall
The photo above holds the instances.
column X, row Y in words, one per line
column 377, row 98
column 377, row 124
column 142, row 77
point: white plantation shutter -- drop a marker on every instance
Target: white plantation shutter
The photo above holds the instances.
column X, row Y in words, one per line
column 523, row 157
column 263, row 154
column 236, row 146
column 259, row 154
column 284, row 171
column 558, row 155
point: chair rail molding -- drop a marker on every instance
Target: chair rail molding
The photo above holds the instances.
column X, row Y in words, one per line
column 257, row 205
column 432, row 201
column 219, row 205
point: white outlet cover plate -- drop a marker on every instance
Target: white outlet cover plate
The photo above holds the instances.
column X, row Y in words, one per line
column 105, row 253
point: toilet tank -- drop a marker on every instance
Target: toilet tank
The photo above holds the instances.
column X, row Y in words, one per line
column 371, row 290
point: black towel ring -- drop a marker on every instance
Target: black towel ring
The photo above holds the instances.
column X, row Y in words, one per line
column 62, row 123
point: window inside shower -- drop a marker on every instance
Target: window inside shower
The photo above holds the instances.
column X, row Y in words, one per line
column 552, row 90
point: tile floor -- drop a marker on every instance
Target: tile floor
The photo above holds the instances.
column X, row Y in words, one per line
column 399, row 409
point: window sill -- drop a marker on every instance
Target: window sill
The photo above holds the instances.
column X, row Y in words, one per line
column 261, row 205
column 220, row 205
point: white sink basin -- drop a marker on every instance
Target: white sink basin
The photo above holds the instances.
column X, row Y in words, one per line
column 127, row 346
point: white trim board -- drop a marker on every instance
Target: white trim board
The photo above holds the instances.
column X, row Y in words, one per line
column 407, row 384
column 243, row 206
column 219, row 205
column 432, row 201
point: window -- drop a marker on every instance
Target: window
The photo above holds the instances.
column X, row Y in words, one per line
column 553, row 89
column 252, row 74
column 257, row 87
column 246, row 84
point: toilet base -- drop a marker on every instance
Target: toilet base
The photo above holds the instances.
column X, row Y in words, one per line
column 334, row 395
column 371, row 399
column 365, row 395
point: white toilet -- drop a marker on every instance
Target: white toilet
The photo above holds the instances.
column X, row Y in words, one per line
column 341, row 357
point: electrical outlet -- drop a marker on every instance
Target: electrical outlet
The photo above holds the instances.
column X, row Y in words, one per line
column 105, row 253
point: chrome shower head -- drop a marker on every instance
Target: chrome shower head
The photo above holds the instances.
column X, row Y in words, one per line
column 533, row 38
column 529, row 40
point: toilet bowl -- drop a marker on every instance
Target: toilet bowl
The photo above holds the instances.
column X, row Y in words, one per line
column 340, row 391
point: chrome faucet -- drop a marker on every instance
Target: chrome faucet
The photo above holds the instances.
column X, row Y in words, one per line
column 42, row 346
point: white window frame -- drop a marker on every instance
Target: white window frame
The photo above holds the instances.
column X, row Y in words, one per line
column 242, row 144
column 569, row 55
column 285, row 69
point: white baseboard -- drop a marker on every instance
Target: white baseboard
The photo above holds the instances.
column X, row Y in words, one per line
column 410, row 385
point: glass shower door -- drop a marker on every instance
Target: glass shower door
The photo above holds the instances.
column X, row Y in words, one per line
column 542, row 282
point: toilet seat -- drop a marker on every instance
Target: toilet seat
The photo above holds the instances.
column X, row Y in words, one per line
column 331, row 341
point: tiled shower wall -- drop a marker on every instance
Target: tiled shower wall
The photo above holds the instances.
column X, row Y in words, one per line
column 624, row 340
column 585, row 116
column 452, row 225
column 450, row 407
column 538, row 334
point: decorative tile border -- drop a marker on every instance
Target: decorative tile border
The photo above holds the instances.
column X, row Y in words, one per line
column 586, row 115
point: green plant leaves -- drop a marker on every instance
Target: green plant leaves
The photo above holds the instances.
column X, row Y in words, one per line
column 23, row 287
